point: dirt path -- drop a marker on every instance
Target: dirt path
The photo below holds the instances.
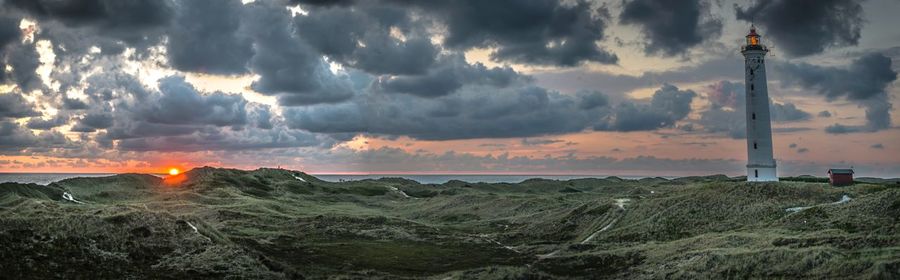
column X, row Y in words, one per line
column 68, row 196
column 619, row 202
column 198, row 231
column 299, row 178
column 844, row 199
column 395, row 189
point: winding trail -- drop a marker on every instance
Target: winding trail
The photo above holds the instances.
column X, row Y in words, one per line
column 197, row 231
column 299, row 178
column 511, row 248
column 620, row 202
column 844, row 199
column 395, row 189
column 68, row 196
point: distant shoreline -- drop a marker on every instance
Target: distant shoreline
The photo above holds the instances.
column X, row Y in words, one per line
column 47, row 178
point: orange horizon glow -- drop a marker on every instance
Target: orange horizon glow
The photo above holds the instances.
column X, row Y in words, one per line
column 174, row 171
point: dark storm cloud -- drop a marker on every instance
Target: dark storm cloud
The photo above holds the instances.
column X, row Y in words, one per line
column 877, row 146
column 324, row 2
column 9, row 34
column 671, row 27
column 515, row 111
column 180, row 103
column 361, row 38
column 227, row 140
column 15, row 139
column 47, row 124
column 9, row 30
column 178, row 117
column 864, row 81
column 467, row 114
column 787, row 112
column 731, row 123
column 137, row 22
column 176, row 109
column 107, row 86
column 288, row 68
column 864, row 78
column 452, row 73
column 573, row 80
column 727, row 112
column 93, row 121
column 261, row 115
column 824, row 114
column 668, row 105
column 546, row 32
column 592, row 99
column 73, row 104
column 204, row 38
column 805, row 27
column 24, row 59
column 13, row 105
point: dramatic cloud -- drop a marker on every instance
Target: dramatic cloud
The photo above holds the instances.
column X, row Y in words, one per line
column 379, row 39
column 544, row 32
column 136, row 22
column 9, row 30
column 178, row 117
column 468, row 113
column 668, row 105
column 288, row 68
column 111, row 80
column 204, row 38
column 181, row 103
column 15, row 139
column 24, row 59
column 727, row 112
column 47, row 124
column 787, row 112
column 9, row 34
column 592, row 99
column 13, row 105
column 452, row 73
column 511, row 110
column 805, row 27
column 864, row 81
column 671, row 27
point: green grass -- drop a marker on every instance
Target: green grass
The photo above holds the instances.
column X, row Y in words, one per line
column 267, row 224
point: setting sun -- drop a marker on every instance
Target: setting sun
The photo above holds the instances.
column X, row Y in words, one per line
column 173, row 171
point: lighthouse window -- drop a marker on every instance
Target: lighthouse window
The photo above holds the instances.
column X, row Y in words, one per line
column 754, row 145
column 751, row 87
column 753, row 116
column 755, row 172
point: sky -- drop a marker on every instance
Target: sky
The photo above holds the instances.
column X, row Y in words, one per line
column 619, row 87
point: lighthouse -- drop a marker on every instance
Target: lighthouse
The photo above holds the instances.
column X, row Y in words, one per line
column 760, row 162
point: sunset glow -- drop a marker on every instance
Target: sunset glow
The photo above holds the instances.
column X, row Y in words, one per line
column 174, row 171
column 625, row 91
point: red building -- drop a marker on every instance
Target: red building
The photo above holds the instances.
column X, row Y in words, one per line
column 840, row 177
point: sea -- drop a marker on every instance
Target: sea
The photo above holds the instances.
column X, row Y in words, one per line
column 47, row 178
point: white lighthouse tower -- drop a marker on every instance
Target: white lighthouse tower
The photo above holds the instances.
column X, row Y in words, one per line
column 760, row 163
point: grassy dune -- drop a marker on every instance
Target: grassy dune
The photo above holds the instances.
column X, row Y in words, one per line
column 266, row 223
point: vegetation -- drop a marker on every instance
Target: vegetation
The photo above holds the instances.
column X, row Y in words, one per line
column 268, row 224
